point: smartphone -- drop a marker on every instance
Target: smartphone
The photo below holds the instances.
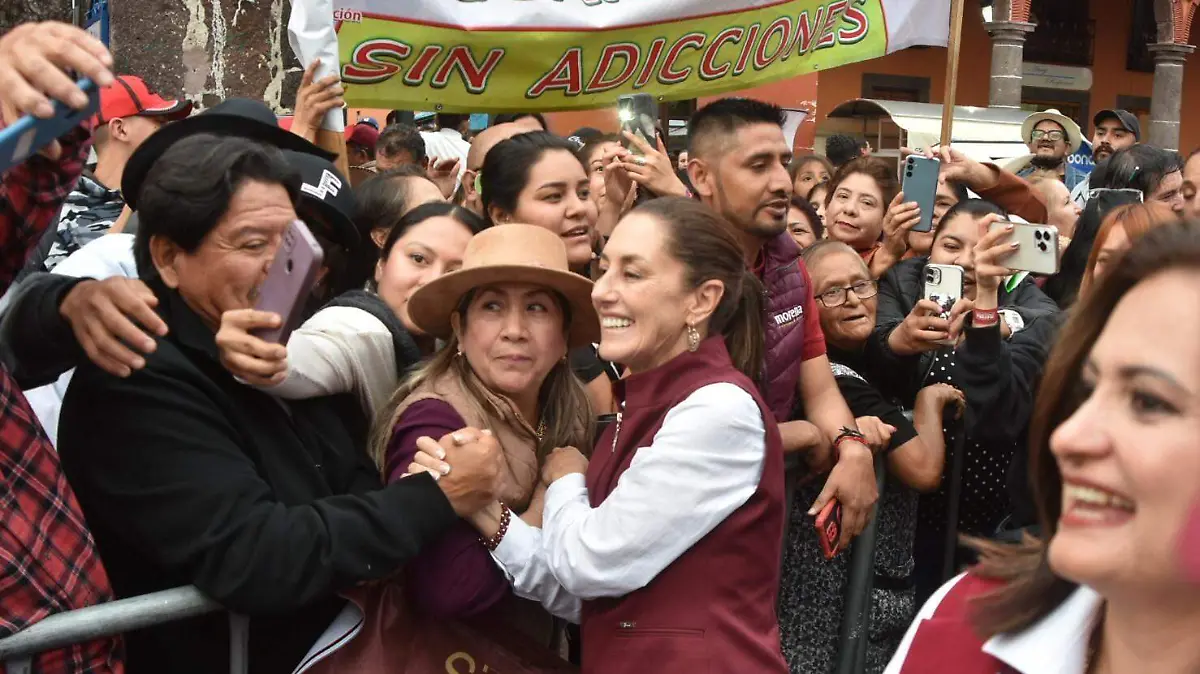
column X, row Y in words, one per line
column 1038, row 253
column 919, row 184
column 829, row 528
column 638, row 114
column 30, row 134
column 290, row 280
column 943, row 287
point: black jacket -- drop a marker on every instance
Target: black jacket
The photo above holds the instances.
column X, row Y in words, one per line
column 36, row 342
column 269, row 507
column 999, row 377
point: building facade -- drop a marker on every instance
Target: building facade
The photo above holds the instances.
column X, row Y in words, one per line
column 1079, row 56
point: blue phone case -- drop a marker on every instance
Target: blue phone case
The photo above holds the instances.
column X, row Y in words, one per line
column 919, row 184
column 30, row 134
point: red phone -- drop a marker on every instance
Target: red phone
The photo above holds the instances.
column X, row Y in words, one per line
column 829, row 528
column 290, row 280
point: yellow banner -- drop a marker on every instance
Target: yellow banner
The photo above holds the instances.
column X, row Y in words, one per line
column 391, row 63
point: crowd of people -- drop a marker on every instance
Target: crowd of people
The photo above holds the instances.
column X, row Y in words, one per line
column 575, row 402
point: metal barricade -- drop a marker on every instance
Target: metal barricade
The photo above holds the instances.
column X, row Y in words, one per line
column 116, row 617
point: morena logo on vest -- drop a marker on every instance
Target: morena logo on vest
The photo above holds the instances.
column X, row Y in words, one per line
column 791, row 315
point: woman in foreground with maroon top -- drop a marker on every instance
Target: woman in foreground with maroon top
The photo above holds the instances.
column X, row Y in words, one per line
column 1113, row 585
column 669, row 541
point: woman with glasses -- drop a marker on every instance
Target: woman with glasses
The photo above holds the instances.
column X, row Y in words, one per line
column 991, row 345
column 813, row 590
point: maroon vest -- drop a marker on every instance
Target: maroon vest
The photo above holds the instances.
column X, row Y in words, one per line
column 783, row 317
column 713, row 609
column 945, row 643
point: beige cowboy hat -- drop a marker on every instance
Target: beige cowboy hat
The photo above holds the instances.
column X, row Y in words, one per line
column 522, row 254
column 1074, row 135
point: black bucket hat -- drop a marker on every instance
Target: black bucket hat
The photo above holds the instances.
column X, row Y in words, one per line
column 240, row 117
column 325, row 190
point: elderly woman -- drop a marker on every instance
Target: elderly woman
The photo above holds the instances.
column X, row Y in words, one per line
column 864, row 209
column 671, row 535
column 813, row 589
column 187, row 476
column 1111, row 586
column 509, row 316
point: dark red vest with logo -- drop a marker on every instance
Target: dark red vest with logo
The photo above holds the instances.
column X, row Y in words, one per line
column 713, row 609
column 785, row 291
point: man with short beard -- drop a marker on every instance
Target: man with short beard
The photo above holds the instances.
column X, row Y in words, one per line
column 738, row 158
column 1052, row 137
column 1115, row 130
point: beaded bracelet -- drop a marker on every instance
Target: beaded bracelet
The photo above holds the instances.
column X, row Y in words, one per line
column 493, row 542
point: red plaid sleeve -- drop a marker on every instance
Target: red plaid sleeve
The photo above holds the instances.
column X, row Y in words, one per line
column 31, row 194
column 48, row 560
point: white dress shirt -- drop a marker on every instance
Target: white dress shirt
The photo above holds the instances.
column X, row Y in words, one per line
column 705, row 462
column 447, row 144
column 1056, row 644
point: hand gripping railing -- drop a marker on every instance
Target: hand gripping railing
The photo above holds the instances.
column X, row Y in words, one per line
column 116, row 617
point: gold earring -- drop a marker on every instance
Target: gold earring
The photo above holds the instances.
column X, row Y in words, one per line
column 693, row 336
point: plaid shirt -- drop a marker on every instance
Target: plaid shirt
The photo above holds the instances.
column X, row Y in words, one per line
column 48, row 561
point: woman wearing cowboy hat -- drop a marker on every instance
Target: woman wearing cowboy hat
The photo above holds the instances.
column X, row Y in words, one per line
column 508, row 316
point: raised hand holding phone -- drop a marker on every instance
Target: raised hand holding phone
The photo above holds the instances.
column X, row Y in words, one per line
column 34, row 61
column 29, row 134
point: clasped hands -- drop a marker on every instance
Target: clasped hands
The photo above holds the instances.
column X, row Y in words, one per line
column 454, row 453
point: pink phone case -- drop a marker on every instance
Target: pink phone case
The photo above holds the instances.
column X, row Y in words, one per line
column 289, row 281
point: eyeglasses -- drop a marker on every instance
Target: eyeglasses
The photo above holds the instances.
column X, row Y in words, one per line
column 1038, row 134
column 836, row 297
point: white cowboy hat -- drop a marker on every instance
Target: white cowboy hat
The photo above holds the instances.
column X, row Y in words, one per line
column 522, row 254
column 1074, row 135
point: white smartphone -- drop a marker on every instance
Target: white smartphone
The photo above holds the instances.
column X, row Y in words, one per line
column 1038, row 253
column 943, row 287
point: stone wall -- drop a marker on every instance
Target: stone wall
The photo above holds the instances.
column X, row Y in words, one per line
column 206, row 50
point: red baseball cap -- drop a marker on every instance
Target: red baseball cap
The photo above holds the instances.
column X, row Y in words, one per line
column 362, row 134
column 128, row 96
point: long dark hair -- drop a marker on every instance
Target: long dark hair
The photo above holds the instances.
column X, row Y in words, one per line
column 382, row 201
column 1141, row 167
column 704, row 243
column 1032, row 589
column 506, row 167
column 433, row 209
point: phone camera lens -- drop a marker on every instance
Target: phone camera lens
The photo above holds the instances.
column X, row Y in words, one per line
column 1042, row 246
column 288, row 266
column 1037, row 235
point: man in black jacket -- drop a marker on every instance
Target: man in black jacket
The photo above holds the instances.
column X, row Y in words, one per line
column 186, row 476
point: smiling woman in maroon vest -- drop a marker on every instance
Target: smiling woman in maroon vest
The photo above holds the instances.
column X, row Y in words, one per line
column 671, row 536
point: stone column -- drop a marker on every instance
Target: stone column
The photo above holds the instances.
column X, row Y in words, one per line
column 1168, row 93
column 1008, row 56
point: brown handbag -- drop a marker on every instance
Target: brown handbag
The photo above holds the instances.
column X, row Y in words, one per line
column 393, row 639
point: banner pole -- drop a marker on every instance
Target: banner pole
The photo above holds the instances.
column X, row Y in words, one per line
column 956, row 19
